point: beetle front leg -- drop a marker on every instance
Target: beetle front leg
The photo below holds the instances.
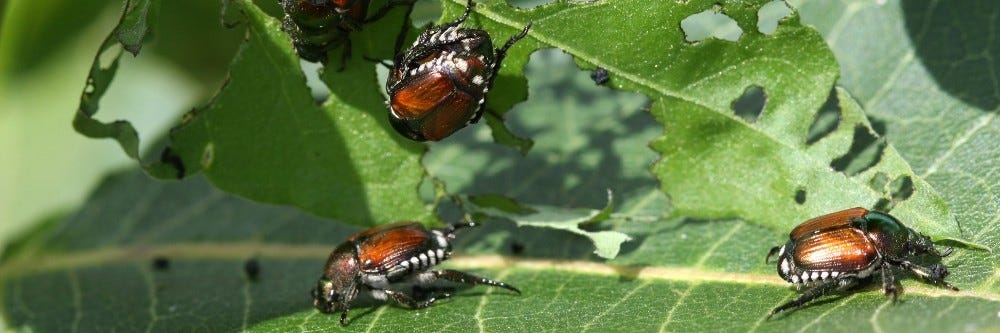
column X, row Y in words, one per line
column 815, row 292
column 466, row 278
column 408, row 301
column 889, row 282
column 346, row 303
column 935, row 273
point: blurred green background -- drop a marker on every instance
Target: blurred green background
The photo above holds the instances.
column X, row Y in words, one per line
column 46, row 49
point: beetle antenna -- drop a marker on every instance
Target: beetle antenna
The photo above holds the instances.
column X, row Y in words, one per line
column 774, row 250
column 959, row 223
column 468, row 9
column 459, row 225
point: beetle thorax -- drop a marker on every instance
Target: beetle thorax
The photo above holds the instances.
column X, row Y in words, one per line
column 342, row 265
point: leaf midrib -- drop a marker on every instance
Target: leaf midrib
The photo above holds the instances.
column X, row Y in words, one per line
column 17, row 267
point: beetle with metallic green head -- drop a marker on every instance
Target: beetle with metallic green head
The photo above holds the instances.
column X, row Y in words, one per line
column 834, row 252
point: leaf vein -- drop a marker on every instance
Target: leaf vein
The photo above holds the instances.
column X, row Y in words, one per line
column 680, row 301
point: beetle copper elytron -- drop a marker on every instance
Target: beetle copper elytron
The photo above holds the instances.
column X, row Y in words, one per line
column 377, row 259
column 318, row 26
column 837, row 250
column 439, row 85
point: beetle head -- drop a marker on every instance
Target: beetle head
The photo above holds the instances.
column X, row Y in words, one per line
column 921, row 244
column 337, row 287
column 325, row 297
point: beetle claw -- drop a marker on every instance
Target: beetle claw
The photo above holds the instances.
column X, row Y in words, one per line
column 343, row 318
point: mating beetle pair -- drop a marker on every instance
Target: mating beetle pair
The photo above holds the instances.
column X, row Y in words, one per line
column 834, row 252
column 435, row 88
column 379, row 259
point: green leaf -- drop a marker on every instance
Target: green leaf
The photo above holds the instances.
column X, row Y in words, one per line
column 607, row 243
column 263, row 137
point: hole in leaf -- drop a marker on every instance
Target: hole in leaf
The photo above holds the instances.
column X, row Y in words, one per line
column 109, row 56
column 826, row 120
column 750, row 105
column 529, row 4
column 208, row 156
column 901, row 188
column 879, row 181
column 866, row 151
column 710, row 23
column 877, row 125
column 883, row 205
column 770, row 15
column 320, row 92
column 800, row 196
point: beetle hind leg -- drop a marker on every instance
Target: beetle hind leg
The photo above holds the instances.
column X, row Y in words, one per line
column 408, row 301
column 469, row 279
column 815, row 292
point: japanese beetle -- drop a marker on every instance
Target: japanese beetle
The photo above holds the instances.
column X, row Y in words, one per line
column 439, row 85
column 318, row 26
column 377, row 259
column 834, row 252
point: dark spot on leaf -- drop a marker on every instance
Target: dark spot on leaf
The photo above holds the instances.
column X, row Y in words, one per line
column 516, row 248
column 770, row 15
column 826, row 120
column 865, row 152
column 750, row 105
column 600, row 76
column 800, row 196
column 901, row 188
column 710, row 23
column 169, row 157
column 252, row 269
column 161, row 263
